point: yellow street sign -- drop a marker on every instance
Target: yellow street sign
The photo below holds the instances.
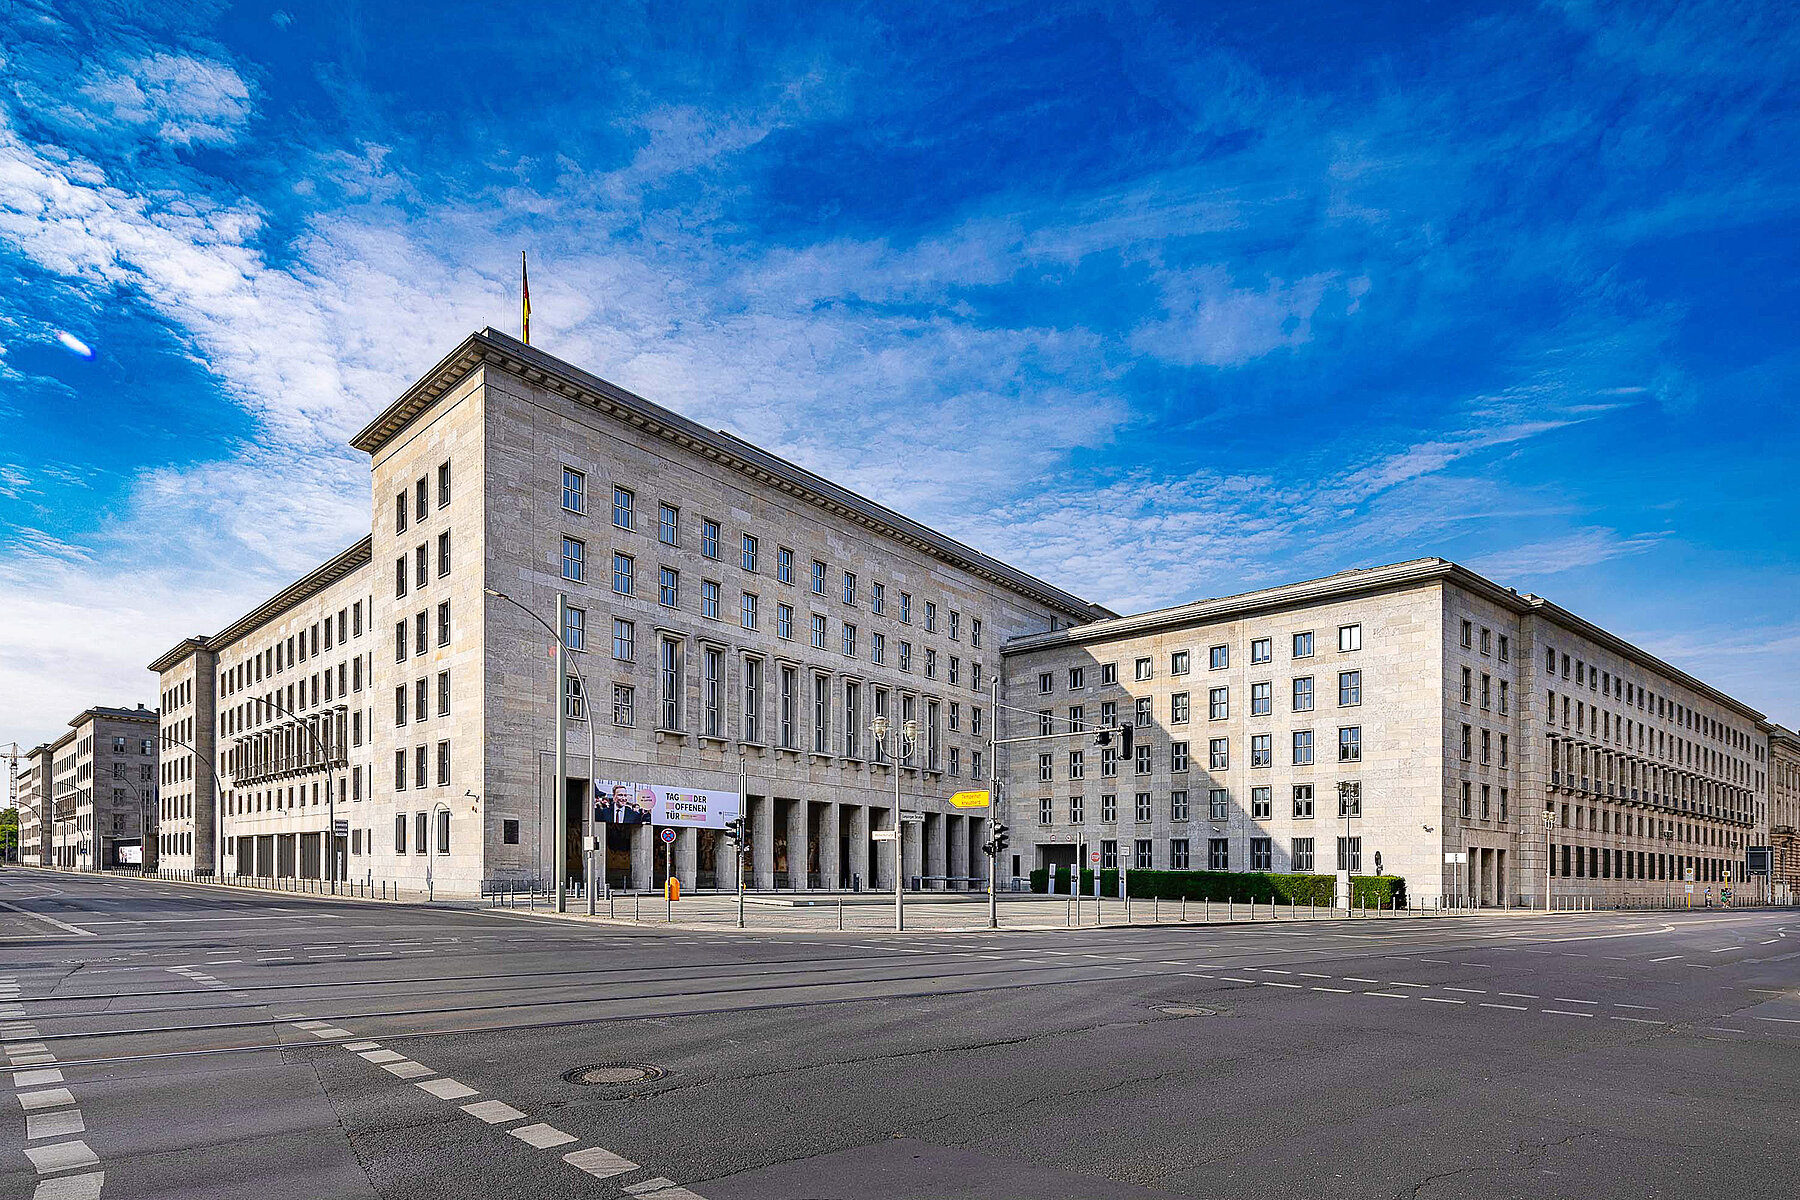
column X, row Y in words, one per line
column 970, row 800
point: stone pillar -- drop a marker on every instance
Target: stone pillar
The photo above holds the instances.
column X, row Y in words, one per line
column 643, row 857
column 796, row 840
column 687, row 850
column 830, row 829
column 956, row 844
column 762, row 842
column 859, row 844
column 725, row 863
column 935, row 858
column 912, row 861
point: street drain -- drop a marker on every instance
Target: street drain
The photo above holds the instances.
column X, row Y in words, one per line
column 1185, row 1010
column 614, row 1074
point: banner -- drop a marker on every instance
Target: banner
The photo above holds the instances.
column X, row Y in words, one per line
column 627, row 802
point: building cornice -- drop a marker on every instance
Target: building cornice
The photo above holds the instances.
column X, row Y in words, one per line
column 491, row 348
column 100, row 711
column 178, row 652
column 311, row 584
column 1361, row 582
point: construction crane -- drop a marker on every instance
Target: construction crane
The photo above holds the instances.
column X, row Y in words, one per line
column 13, row 754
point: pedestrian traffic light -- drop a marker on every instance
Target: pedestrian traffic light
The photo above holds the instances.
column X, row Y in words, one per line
column 739, row 833
column 1000, row 838
column 1124, row 742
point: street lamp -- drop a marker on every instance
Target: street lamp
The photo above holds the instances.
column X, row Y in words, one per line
column 304, row 723
column 899, row 743
column 1349, row 792
column 559, row 830
column 431, row 853
column 1549, row 818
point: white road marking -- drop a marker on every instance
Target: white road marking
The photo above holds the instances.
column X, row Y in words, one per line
column 1275, row 983
column 542, row 1136
column 1390, row 995
column 61, row 1156
column 60, row 1123
column 1666, row 958
column 494, row 1112
column 62, row 925
column 1564, row 1012
column 1641, row 1020
column 37, row 1078
column 448, row 1089
column 1442, row 1000
column 381, row 1056
column 661, row 1189
column 1470, row 991
column 601, row 1164
column 1518, row 995
column 1570, row 1000
column 71, row 1187
column 408, row 1069
column 1507, row 1007
column 1639, row 1007
column 48, row 1098
column 1339, row 991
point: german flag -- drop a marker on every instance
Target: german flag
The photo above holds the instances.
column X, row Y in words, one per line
column 525, row 297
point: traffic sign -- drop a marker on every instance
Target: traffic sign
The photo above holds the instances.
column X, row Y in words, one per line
column 1756, row 860
column 668, row 836
column 969, row 800
column 1456, row 856
column 341, row 827
column 1687, row 873
column 1094, row 858
column 881, row 835
column 912, row 815
column 1689, row 887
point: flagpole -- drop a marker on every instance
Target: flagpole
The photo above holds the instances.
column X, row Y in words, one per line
column 525, row 298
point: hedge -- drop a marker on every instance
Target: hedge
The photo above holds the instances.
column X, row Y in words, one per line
column 1383, row 891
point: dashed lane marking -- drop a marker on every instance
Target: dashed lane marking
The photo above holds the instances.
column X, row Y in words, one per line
column 541, row 1136
column 448, row 1089
column 494, row 1112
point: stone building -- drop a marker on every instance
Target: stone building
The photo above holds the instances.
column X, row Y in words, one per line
column 34, row 806
column 1392, row 718
column 735, row 623
column 1784, row 807
column 103, row 788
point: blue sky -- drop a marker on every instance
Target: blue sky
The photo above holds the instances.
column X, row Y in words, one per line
column 1157, row 301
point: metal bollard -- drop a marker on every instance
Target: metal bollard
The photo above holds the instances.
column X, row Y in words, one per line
column 840, row 916
column 1184, row 910
column 1228, row 913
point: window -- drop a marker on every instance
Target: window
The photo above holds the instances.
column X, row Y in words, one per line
column 818, row 631
column 1262, row 807
column 784, row 565
column 1467, row 804
column 443, row 626
column 1046, row 682
column 1141, row 714
column 1261, row 754
column 624, row 507
column 668, row 524
column 849, row 640
column 574, row 560
column 1261, row 699
column 749, row 553
column 1303, row 644
column 1487, row 690
column 1140, row 854
column 1505, row 648
column 849, row 588
column 1350, row 743
column 747, row 610
column 1349, row 854
column 1218, row 756
column 1468, row 748
column 576, row 703
column 1141, row 807
column 574, row 492
column 624, row 640
column 1178, row 663
column 1218, row 704
column 1218, row 658
column 1144, row 669
column 753, row 700
column 1178, row 854
column 400, row 513
column 930, row 663
column 1140, row 755
column 785, row 701
column 1349, row 638
column 624, row 573
column 1303, row 801
column 853, row 723
column 443, row 484
column 422, row 576
column 421, row 495
column 443, row 779
column 1262, row 854
column 818, row 578
column 878, row 648
column 1109, row 673
column 821, row 714
column 400, row 705
column 400, row 781
column 1178, row 806
column 1077, row 679
column 400, row 576
column 669, row 689
column 400, row 821
column 1486, row 802
column 1045, row 805
column 1218, row 854
column 443, row 555
column 443, row 690
column 931, row 616
column 1349, row 688
column 1109, row 808
column 1487, row 747
column 1178, row 756
column 1178, row 708
column 1468, row 685
column 1261, row 650
column 709, row 599
column 400, row 641
column 509, row 831
column 784, row 621
column 1303, row 693
column 1468, row 634
column 1303, row 747
column 709, row 538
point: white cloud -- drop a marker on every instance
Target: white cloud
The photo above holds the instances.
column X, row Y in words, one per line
column 1213, row 322
column 186, row 101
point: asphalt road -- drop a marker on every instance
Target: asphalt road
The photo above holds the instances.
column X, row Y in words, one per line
column 168, row 1041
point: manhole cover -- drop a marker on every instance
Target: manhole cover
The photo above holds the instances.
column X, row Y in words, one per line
column 614, row 1074
column 1185, row 1010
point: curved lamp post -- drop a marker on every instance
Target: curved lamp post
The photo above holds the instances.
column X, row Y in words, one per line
column 899, row 742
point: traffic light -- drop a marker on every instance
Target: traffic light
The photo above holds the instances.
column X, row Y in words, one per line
column 997, row 845
column 739, row 833
column 1124, row 743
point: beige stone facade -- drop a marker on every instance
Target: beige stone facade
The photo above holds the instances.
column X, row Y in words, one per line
column 35, row 806
column 1419, row 710
column 103, row 788
column 1784, row 808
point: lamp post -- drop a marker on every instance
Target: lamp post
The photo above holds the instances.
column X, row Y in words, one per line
column 431, row 853
column 330, row 793
column 218, row 808
column 899, row 743
column 1549, row 818
column 1349, row 791
column 559, row 831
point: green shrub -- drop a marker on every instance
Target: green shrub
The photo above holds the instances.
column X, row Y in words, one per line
column 1372, row 891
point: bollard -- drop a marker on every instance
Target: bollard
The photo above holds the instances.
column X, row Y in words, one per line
column 1228, row 912
column 840, row 916
column 1184, row 910
column 1069, row 914
column 637, row 907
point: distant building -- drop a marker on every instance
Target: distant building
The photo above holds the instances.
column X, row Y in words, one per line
column 1784, row 807
column 103, row 788
column 1392, row 718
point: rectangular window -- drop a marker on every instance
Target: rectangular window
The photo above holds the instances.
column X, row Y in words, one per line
column 574, row 491
column 1046, row 768
column 1178, row 756
column 422, row 576
column 849, row 588
column 1218, row 704
column 849, row 641
column 1261, row 699
column 818, row 578
column 422, row 496
column 1349, row 688
column 784, row 621
column 1143, row 669
column 443, row 778
column 443, row 485
column 906, row 608
column 1468, row 634
column 1178, row 854
column 930, row 663
column 1109, row 808
column 975, row 632
column 1077, row 765
column 877, row 599
column 1178, row 663
column 1303, row 693
column 400, row 641
column 1349, row 638
column 1178, row 708
column 712, row 691
column 443, row 623
column 784, row 565
column 574, row 560
column 1505, row 648
column 1045, row 807
column 1350, row 798
column 821, row 713
column 400, row 511
column 785, row 702
column 1218, row 658
column 1303, row 747
column 669, row 683
column 931, row 616
column 574, row 703
column 443, row 555
column 1262, row 854
column 624, row 573
column 709, row 599
column 1350, row 743
column 747, row 610
column 443, row 693
column 1303, row 801
column 1262, row 805
column 753, row 700
column 400, row 576
column 818, row 631
column 400, row 694
column 1303, row 856
column 1140, row 854
column 624, row 646
column 1261, row 650
column 1077, row 680
column 624, row 507
column 709, row 538
column 1349, row 854
column 668, row 524
column 400, row 819
column 906, row 656
column 1303, row 644
column 853, row 723
column 1141, row 715
column 1141, row 759
column 1218, row 854
column 1468, row 743
column 878, row 648
column 748, row 558
column 1218, row 756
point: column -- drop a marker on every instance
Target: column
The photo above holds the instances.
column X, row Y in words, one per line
column 725, row 863
column 910, row 861
column 762, row 842
column 796, row 840
column 957, row 842
column 830, row 830
column 859, row 845
column 643, row 857
column 687, row 850
column 935, row 863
